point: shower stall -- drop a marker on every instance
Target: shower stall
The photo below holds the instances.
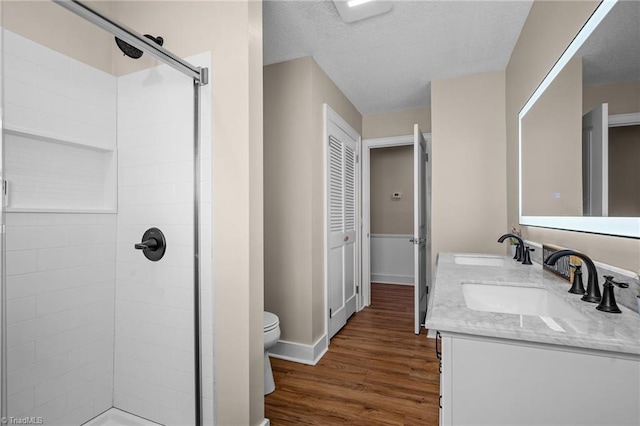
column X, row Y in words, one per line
column 107, row 298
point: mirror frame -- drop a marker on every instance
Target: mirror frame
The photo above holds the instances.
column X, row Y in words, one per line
column 617, row 226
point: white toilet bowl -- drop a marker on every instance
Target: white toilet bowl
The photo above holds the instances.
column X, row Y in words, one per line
column 271, row 337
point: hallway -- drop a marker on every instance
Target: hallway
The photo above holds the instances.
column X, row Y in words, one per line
column 376, row 372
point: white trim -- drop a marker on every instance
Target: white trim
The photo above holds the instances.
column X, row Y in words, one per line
column 398, row 236
column 627, row 227
column 619, row 120
column 299, row 352
column 368, row 145
column 325, row 218
column 393, row 279
column 265, row 422
column 388, row 142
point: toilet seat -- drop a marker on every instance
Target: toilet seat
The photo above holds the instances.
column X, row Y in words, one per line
column 271, row 321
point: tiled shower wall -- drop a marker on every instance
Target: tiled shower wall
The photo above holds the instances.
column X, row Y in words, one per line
column 50, row 93
column 60, row 301
column 60, row 267
column 154, row 358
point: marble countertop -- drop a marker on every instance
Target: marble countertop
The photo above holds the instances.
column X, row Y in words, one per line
column 448, row 311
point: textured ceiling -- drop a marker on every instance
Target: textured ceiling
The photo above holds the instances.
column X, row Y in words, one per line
column 612, row 52
column 387, row 62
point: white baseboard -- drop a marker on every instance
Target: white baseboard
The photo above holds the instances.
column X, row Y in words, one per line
column 299, row 352
column 265, row 422
column 392, row 279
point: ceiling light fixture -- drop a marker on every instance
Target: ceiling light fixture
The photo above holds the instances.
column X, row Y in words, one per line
column 357, row 10
column 354, row 3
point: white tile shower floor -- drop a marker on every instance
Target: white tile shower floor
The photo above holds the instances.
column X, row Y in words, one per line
column 115, row 417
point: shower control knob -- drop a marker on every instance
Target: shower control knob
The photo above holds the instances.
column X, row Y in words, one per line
column 153, row 244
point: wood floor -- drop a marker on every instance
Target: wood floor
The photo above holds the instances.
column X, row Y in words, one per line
column 377, row 372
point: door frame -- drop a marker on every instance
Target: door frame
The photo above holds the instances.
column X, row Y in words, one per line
column 367, row 146
column 328, row 114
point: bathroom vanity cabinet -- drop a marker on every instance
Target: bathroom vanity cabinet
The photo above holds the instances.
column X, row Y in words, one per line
column 573, row 366
column 499, row 382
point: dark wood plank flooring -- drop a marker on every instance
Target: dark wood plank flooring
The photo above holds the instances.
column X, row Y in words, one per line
column 376, row 372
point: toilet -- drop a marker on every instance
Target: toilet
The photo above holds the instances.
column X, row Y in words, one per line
column 271, row 337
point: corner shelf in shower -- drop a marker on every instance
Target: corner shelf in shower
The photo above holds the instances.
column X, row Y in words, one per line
column 51, row 174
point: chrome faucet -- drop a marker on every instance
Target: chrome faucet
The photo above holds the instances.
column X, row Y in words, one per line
column 519, row 249
column 593, row 290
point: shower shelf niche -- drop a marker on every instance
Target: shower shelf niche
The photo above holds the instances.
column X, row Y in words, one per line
column 63, row 140
column 48, row 173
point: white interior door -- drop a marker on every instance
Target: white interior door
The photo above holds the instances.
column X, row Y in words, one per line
column 595, row 162
column 343, row 221
column 419, row 227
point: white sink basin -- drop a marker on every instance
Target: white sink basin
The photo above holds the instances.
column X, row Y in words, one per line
column 477, row 260
column 510, row 299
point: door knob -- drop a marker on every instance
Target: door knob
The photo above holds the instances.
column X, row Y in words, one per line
column 346, row 238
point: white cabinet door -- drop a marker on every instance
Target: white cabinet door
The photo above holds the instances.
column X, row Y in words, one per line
column 506, row 383
column 343, row 221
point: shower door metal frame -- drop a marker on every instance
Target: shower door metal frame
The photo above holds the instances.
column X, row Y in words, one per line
column 200, row 78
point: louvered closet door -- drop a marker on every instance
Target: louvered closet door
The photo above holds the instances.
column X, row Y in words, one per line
column 343, row 214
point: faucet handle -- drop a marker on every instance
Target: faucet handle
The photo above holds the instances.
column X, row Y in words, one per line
column 527, row 255
column 608, row 302
column 576, row 286
column 609, row 280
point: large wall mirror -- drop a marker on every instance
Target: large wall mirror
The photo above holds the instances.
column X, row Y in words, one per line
column 580, row 131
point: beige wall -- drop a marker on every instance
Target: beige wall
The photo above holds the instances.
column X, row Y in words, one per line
column 391, row 171
column 623, row 98
column 624, row 173
column 396, row 123
column 549, row 29
column 294, row 207
column 60, row 30
column 552, row 148
column 287, row 207
column 468, row 172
